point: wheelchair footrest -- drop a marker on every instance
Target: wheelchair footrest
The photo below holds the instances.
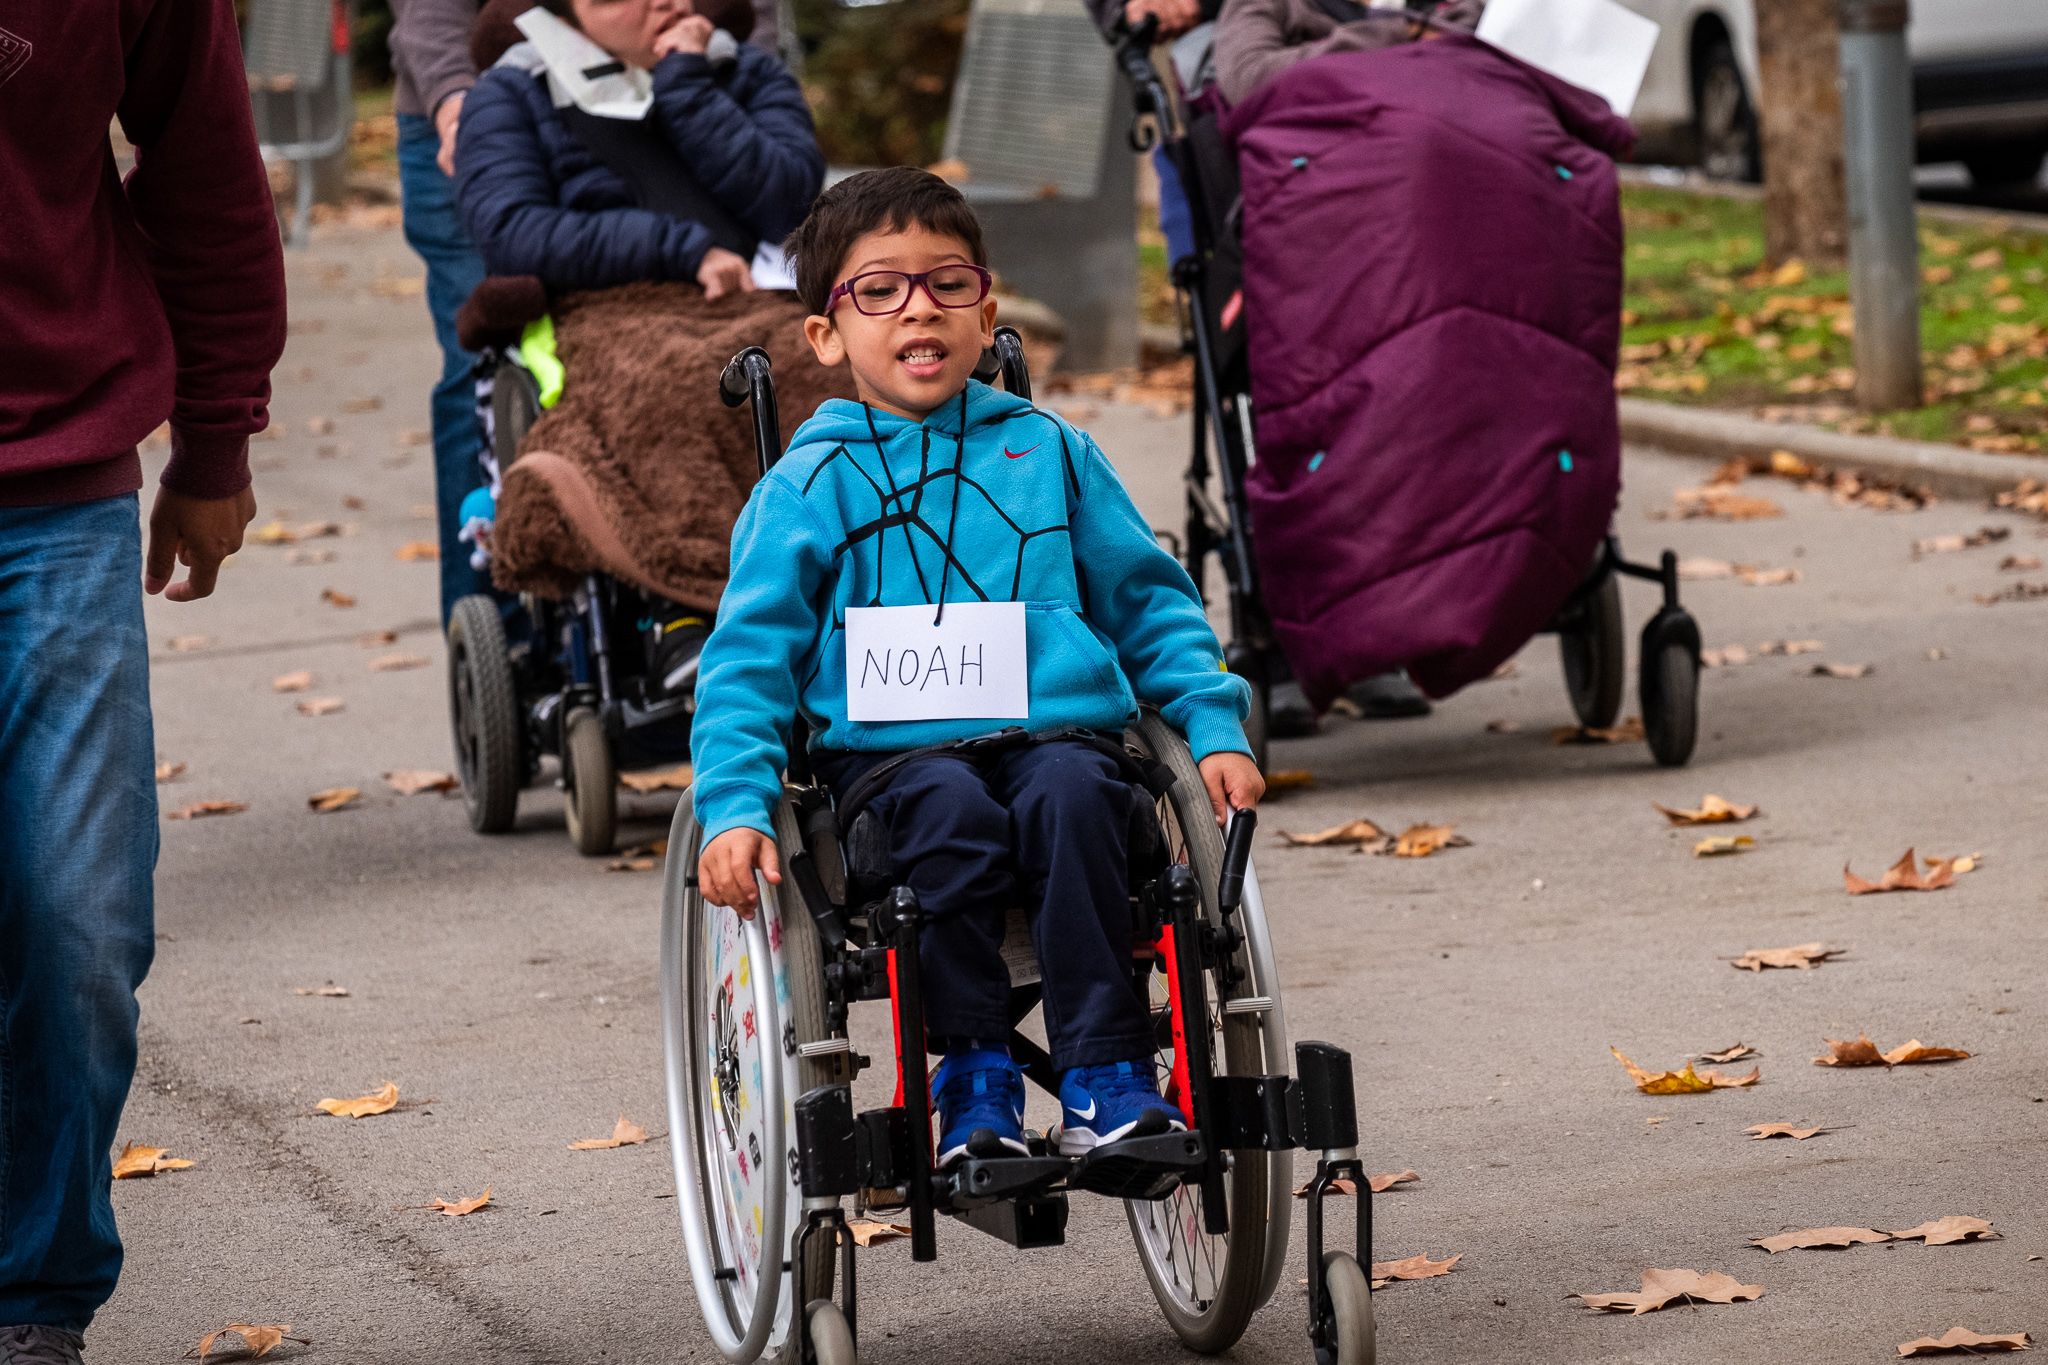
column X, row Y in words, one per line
column 973, row 1181
column 1140, row 1167
column 1028, row 1223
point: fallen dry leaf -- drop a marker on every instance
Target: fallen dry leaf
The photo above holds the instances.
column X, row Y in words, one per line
column 359, row 405
column 1722, row 503
column 330, row 990
column 394, row 663
column 382, row 1101
column 1338, row 1185
column 292, row 682
column 1862, row 1052
column 1734, row 1052
column 1379, row 1183
column 1904, row 875
column 1727, row 656
column 261, row 1338
column 413, row 781
column 1662, row 1287
column 1630, row 731
column 1722, row 845
column 1803, row 958
column 334, row 597
column 1417, row 1267
column 333, row 799
column 321, row 706
column 1956, row 1227
column 1686, row 1082
column 1502, row 727
column 625, row 1133
column 1943, row 545
column 1713, row 810
column 1963, row 1339
column 2019, row 563
column 377, row 639
column 1810, row 1238
column 1419, row 841
column 1358, row 832
column 1789, row 647
column 659, row 779
column 630, row 865
column 306, row 555
column 1757, row 577
column 2018, row 592
column 201, row 809
column 1289, row 780
column 656, row 849
column 461, row 1207
column 1759, row 1131
column 867, row 1232
column 168, row 772
column 188, row 644
column 136, row 1161
column 1841, row 670
column 414, row 551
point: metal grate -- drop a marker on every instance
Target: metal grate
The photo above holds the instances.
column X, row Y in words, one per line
column 1032, row 96
column 289, row 44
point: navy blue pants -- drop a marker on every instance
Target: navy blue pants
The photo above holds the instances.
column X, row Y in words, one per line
column 1046, row 827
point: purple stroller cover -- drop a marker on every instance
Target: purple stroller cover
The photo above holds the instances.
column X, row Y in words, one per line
column 1433, row 274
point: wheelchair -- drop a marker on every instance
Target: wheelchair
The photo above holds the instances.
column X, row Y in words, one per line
column 770, row 1151
column 1592, row 634
column 568, row 679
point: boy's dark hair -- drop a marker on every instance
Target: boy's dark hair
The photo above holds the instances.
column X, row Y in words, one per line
column 892, row 199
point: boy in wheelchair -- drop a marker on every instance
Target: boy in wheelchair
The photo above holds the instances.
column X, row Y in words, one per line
column 934, row 531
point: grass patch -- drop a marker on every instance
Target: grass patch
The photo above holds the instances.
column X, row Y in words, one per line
column 1705, row 324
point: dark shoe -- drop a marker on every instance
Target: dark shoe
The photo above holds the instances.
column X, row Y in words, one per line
column 672, row 650
column 1389, row 696
column 38, row 1345
column 1288, row 715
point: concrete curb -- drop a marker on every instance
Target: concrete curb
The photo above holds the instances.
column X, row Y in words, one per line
column 1707, row 434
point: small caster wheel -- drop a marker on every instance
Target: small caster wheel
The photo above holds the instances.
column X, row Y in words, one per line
column 1670, row 684
column 591, row 784
column 1593, row 646
column 831, row 1340
column 1347, row 1313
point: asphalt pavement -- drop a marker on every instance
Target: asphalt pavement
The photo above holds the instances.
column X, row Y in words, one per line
column 510, row 987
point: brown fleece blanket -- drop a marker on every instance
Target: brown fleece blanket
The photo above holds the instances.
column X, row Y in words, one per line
column 639, row 471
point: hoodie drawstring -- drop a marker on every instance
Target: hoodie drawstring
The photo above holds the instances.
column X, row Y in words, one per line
column 953, row 513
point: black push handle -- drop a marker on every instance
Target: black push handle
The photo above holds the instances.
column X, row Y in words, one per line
column 750, row 377
column 1148, row 97
column 1237, row 857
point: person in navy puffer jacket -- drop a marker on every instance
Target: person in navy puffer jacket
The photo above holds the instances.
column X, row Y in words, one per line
column 540, row 201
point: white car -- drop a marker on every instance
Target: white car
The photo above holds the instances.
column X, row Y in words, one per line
column 1980, row 86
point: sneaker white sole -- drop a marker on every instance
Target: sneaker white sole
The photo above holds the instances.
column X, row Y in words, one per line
column 1081, row 1141
column 952, row 1154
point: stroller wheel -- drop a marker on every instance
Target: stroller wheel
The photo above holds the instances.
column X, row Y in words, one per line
column 590, row 784
column 1671, row 685
column 1594, row 648
column 483, row 706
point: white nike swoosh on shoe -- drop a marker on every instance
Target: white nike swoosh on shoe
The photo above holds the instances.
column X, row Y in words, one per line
column 1084, row 1114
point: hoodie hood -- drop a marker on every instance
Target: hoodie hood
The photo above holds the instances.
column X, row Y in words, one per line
column 844, row 421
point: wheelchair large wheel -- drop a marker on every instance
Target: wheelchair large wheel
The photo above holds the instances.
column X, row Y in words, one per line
column 1208, row 1286
column 590, row 784
column 483, row 707
column 1594, row 644
column 741, row 999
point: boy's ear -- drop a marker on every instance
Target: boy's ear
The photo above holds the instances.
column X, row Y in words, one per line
column 826, row 343
column 988, row 322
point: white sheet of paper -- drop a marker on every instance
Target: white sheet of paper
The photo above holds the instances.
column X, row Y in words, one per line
column 771, row 268
column 970, row 666
column 1597, row 44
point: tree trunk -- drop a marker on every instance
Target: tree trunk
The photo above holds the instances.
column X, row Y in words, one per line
column 1806, row 216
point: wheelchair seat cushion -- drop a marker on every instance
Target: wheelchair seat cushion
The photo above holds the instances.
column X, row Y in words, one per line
column 639, row 471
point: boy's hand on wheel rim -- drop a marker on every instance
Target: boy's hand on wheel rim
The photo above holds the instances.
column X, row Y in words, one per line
column 1233, row 781
column 726, row 867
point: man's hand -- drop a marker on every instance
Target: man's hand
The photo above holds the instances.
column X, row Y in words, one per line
column 722, row 273
column 196, row 532
column 691, row 33
column 1234, row 783
column 725, row 869
column 446, row 119
column 1175, row 16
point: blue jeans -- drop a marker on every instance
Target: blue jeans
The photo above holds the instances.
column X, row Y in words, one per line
column 1176, row 219
column 78, row 838
column 433, row 227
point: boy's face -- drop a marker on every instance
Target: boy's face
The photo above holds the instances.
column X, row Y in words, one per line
column 627, row 28
column 910, row 362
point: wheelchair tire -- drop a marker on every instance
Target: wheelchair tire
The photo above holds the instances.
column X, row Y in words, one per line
column 515, row 407
column 712, row 991
column 1209, row 1287
column 831, row 1338
column 590, row 784
column 483, row 708
column 1594, row 648
column 1348, row 1332
column 1258, row 725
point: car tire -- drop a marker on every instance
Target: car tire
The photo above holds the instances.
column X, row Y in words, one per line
column 1724, row 117
column 2006, row 169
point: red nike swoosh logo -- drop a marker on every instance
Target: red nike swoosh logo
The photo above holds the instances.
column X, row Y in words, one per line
column 1019, row 454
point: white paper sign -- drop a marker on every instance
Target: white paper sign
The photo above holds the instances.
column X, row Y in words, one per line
column 970, row 666
column 1597, row 44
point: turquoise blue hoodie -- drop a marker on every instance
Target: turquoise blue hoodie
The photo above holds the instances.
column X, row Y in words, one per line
column 860, row 512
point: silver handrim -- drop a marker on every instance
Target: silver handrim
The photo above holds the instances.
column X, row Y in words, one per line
column 743, row 1307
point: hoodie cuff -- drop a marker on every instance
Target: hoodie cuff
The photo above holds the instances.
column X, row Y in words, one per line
column 1215, row 729
column 207, row 464
column 734, row 808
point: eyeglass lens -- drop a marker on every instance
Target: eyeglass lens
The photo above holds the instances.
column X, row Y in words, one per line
column 888, row 291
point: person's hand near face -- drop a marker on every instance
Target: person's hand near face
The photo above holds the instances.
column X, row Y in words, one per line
column 691, row 33
column 1175, row 16
column 634, row 30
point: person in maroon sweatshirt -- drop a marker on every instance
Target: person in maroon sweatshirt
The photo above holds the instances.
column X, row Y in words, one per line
column 122, row 303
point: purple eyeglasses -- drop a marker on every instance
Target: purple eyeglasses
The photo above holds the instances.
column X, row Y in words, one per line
column 884, row 293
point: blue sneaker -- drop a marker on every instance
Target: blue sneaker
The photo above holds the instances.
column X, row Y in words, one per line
column 1103, row 1104
column 980, row 1096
